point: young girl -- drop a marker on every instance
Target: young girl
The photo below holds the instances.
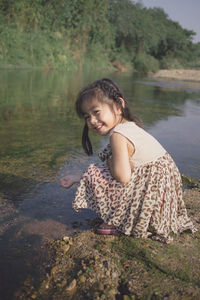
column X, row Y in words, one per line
column 138, row 189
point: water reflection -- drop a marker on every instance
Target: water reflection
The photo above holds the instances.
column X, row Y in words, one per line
column 41, row 132
column 180, row 136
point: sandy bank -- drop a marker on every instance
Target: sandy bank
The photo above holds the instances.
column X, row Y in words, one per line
column 179, row 74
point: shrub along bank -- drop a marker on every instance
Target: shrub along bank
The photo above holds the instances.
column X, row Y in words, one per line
column 102, row 34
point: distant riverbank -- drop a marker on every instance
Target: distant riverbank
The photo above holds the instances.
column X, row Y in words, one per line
column 179, row 74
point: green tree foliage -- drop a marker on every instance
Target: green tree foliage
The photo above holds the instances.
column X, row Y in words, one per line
column 70, row 32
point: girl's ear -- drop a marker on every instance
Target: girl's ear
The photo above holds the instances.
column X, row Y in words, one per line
column 120, row 106
column 122, row 102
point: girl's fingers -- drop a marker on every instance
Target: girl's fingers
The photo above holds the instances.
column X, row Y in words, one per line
column 66, row 182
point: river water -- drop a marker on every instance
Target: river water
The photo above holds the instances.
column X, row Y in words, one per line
column 40, row 142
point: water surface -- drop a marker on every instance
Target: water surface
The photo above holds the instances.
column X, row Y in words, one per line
column 40, row 142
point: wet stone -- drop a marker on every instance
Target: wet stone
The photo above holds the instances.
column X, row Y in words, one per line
column 71, row 287
column 82, row 279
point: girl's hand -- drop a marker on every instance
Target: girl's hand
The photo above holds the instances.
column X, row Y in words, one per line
column 68, row 181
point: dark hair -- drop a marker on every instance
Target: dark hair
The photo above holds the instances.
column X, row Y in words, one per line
column 102, row 89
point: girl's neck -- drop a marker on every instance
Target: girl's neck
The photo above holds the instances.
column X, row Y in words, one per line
column 122, row 120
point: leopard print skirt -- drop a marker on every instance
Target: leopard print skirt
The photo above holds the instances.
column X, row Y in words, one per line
column 149, row 205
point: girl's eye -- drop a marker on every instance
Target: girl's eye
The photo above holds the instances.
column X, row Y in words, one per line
column 97, row 111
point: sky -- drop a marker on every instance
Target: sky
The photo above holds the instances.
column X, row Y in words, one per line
column 185, row 12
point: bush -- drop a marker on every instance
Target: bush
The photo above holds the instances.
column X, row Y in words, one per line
column 33, row 48
column 170, row 62
column 96, row 58
column 145, row 63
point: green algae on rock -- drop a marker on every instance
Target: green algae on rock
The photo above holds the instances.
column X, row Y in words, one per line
column 189, row 182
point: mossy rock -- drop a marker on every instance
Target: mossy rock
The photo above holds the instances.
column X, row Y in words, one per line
column 190, row 182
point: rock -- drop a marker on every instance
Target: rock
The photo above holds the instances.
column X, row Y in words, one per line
column 62, row 284
column 82, row 278
column 126, row 297
column 66, row 248
column 66, row 239
column 80, row 272
column 54, row 270
column 96, row 295
column 101, row 286
column 71, row 288
column 190, row 182
column 112, row 292
column 114, row 275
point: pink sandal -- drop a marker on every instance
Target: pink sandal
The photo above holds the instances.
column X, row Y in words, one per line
column 107, row 230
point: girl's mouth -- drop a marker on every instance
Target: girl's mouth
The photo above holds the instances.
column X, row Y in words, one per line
column 98, row 128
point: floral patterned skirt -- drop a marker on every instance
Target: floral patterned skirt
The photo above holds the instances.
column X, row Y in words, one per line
column 150, row 204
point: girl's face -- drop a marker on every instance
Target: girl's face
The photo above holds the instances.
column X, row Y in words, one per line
column 100, row 116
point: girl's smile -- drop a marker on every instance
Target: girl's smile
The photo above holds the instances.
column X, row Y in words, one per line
column 100, row 116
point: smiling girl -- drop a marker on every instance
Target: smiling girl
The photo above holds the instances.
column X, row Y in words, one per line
column 137, row 190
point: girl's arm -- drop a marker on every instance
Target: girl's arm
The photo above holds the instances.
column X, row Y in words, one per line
column 119, row 164
column 68, row 181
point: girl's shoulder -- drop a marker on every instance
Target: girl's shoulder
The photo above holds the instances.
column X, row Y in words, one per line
column 129, row 130
column 135, row 134
column 126, row 127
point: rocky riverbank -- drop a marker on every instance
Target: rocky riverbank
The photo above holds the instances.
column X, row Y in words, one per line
column 90, row 266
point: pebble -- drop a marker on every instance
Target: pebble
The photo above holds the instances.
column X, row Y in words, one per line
column 96, row 295
column 71, row 287
column 82, row 278
column 66, row 248
column 112, row 292
column 101, row 286
column 80, row 272
column 62, row 284
column 54, row 270
column 66, row 238
column 114, row 275
column 126, row 297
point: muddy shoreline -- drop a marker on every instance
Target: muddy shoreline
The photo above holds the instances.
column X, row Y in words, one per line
column 89, row 266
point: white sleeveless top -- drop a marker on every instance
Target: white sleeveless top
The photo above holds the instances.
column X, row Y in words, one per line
column 147, row 148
